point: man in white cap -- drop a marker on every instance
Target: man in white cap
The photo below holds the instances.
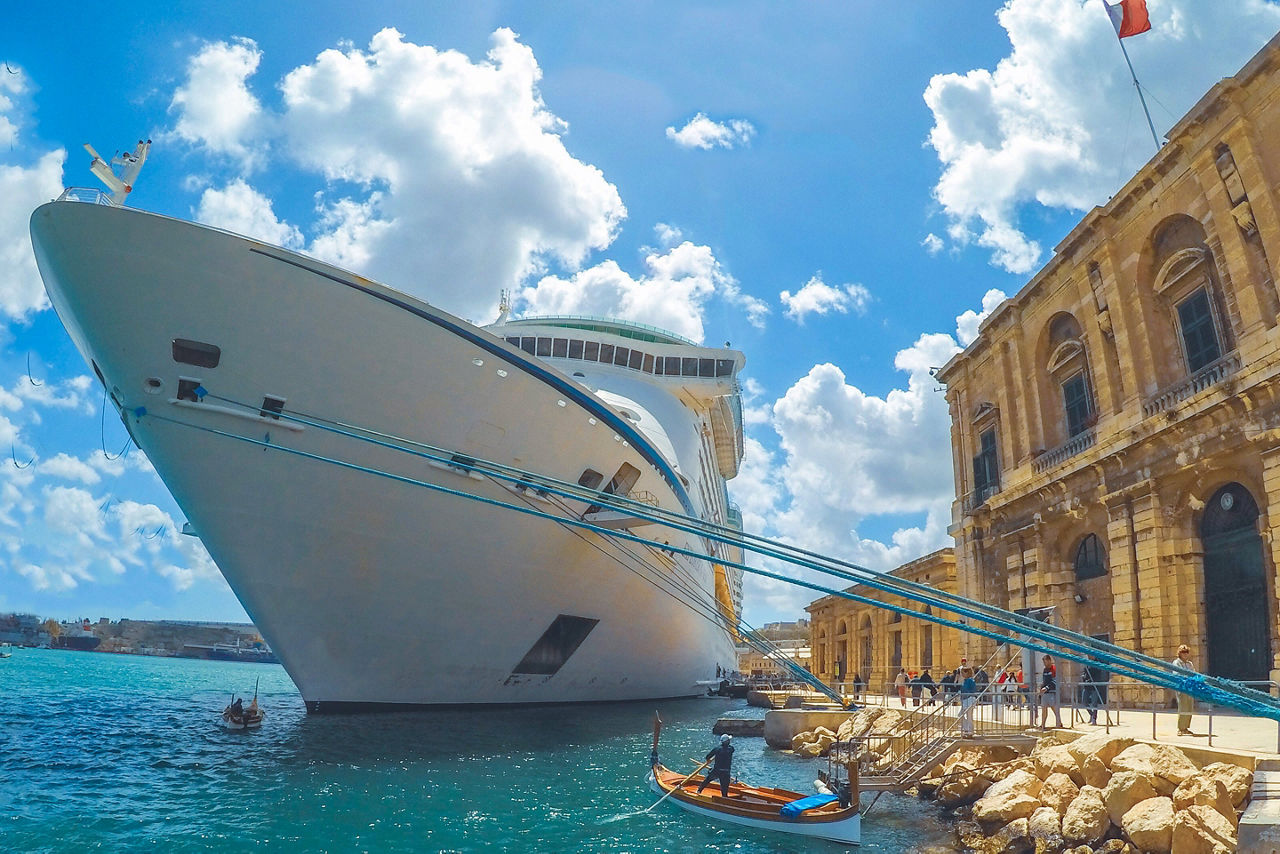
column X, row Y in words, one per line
column 723, row 755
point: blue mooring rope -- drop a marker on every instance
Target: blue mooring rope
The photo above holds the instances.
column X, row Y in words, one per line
column 1035, row 635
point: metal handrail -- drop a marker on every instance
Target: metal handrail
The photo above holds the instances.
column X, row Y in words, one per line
column 88, row 195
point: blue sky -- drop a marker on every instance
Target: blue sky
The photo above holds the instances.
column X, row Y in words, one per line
column 839, row 189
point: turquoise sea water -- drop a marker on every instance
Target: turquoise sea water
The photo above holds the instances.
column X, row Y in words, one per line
column 122, row 753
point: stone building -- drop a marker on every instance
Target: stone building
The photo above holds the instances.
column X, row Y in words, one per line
column 1116, row 424
column 767, row 665
column 851, row 637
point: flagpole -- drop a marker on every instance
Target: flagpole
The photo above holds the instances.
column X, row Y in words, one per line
column 1142, row 99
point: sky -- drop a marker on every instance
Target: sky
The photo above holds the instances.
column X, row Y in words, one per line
column 842, row 190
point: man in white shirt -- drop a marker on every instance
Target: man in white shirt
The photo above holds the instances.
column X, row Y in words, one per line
column 1185, row 702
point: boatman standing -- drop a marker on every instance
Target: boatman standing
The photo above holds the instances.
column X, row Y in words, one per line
column 723, row 756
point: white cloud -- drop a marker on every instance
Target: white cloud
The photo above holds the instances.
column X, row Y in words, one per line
column 67, row 467
column 240, row 208
column 463, row 153
column 932, row 243
column 847, row 457
column 23, row 189
column 42, row 578
column 702, row 132
column 668, row 235
column 672, row 294
column 1055, row 124
column 817, row 297
column 967, row 324
column 214, row 106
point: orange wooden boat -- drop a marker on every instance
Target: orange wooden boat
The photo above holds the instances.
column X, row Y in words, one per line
column 761, row 807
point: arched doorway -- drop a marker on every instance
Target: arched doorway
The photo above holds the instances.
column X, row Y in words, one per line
column 1237, row 619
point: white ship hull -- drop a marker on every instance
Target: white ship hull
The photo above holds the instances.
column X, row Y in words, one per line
column 374, row 589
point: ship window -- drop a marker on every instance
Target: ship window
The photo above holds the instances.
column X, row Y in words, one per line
column 648, row 364
column 271, row 407
column 706, row 367
column 724, row 367
column 636, row 358
column 189, row 390
column 689, row 367
column 560, row 641
column 196, row 353
column 513, row 340
column 620, row 356
column 606, row 353
column 529, row 345
column 591, row 351
column 544, row 347
column 462, row 462
column 560, row 347
column 623, row 480
column 659, row 362
column 575, row 348
column 590, row 479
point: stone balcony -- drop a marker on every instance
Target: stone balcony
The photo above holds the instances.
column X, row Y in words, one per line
column 1065, row 451
column 1210, row 375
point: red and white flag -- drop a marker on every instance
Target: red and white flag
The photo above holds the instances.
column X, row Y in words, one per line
column 1129, row 17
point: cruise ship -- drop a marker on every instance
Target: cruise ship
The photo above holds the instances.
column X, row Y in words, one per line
column 285, row 402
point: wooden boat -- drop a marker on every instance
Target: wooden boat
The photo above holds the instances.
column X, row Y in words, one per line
column 238, row 716
column 761, row 807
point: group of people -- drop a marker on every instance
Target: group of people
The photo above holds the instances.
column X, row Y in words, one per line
column 966, row 685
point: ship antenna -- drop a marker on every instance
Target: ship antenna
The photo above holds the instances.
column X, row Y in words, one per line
column 129, row 163
column 504, row 306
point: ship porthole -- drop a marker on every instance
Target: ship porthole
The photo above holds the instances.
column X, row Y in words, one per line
column 153, row 385
column 561, row 404
column 591, row 421
column 501, row 372
column 477, row 362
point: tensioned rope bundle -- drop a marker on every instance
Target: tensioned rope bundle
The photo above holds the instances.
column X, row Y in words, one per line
column 1026, row 631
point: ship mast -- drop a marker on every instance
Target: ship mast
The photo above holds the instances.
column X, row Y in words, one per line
column 129, row 164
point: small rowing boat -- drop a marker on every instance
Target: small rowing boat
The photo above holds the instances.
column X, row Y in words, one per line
column 823, row 816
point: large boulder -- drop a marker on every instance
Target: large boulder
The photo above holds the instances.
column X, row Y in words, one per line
column 1116, row 846
column 999, row 772
column 801, row 738
column 858, row 724
column 963, row 786
column 1171, row 764
column 1058, row 792
column 1057, row 760
column 1149, row 825
column 1202, row 790
column 1099, row 745
column 1012, row 838
column 1095, row 772
column 1201, row 829
column 1086, row 820
column 810, row 749
column 1014, row 797
column 888, row 721
column 1136, row 758
column 1045, row 828
column 1237, row 780
column 1125, row 789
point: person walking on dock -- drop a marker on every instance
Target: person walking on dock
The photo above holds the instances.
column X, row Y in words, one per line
column 900, row 682
column 1185, row 703
column 1094, row 689
column 723, row 756
column 1049, row 693
column 968, row 697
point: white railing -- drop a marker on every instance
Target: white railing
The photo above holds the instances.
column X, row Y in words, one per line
column 88, row 195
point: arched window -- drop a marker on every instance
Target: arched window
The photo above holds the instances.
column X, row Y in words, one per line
column 1091, row 561
column 1069, row 367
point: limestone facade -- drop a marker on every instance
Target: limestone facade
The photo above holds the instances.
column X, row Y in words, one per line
column 1116, row 424
column 850, row 637
column 755, row 664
